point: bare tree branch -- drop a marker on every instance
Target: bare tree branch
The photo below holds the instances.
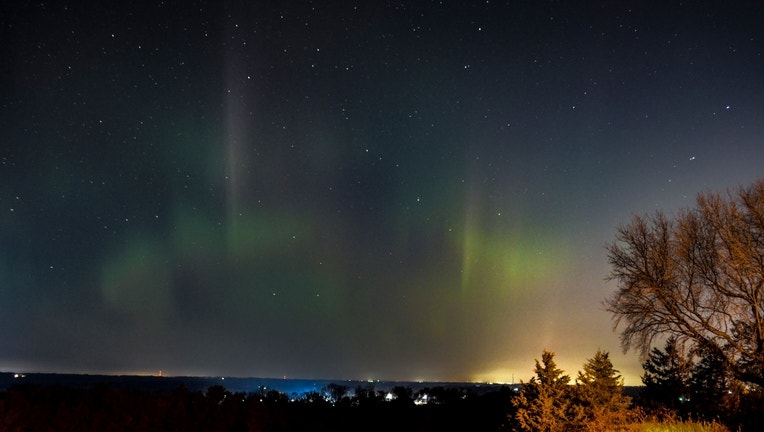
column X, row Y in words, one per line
column 698, row 276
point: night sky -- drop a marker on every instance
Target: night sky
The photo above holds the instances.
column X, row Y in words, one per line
column 403, row 190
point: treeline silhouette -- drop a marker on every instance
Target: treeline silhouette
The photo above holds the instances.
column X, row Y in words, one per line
column 104, row 408
column 679, row 393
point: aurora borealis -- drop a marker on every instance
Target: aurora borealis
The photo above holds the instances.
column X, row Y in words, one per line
column 378, row 190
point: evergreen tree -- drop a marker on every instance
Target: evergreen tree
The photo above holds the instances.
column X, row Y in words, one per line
column 600, row 402
column 667, row 378
column 543, row 404
column 715, row 393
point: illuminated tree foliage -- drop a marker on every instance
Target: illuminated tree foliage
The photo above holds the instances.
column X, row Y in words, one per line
column 600, row 402
column 698, row 277
column 544, row 403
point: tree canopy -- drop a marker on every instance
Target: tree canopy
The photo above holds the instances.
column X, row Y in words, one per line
column 548, row 403
column 698, row 277
column 544, row 404
column 599, row 394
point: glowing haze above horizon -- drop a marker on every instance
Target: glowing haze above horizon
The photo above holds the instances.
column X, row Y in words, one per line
column 398, row 191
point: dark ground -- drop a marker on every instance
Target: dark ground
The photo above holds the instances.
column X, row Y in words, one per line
column 29, row 407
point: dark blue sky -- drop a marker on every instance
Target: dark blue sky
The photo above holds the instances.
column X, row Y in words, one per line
column 330, row 190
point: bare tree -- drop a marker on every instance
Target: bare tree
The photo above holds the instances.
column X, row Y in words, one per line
column 698, row 277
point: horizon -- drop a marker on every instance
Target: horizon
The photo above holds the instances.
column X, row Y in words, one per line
column 23, row 375
column 512, row 377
